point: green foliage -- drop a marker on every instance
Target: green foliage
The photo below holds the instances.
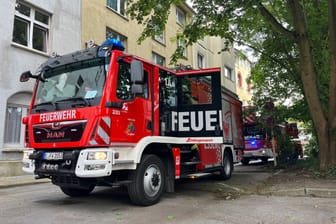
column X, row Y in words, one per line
column 270, row 29
column 285, row 148
column 312, row 148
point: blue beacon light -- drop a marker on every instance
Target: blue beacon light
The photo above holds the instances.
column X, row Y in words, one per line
column 116, row 44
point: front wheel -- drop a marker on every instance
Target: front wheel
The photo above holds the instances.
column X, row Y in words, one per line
column 148, row 181
column 77, row 192
column 227, row 166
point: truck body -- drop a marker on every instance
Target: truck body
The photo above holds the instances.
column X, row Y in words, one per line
column 101, row 117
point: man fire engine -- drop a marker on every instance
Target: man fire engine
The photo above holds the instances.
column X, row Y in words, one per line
column 101, row 117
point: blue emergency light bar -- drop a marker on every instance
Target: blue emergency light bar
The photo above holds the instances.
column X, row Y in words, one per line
column 114, row 43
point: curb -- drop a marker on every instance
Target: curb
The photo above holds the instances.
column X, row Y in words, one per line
column 311, row 192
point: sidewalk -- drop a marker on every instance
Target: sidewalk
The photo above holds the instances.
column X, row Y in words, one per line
column 20, row 180
column 299, row 184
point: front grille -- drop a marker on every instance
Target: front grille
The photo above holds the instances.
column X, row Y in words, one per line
column 65, row 180
column 67, row 131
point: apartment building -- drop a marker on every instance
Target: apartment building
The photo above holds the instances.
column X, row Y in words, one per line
column 30, row 31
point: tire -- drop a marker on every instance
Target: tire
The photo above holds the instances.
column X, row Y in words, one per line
column 77, row 192
column 227, row 167
column 148, row 181
column 245, row 161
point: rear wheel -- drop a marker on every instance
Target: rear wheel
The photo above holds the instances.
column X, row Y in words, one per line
column 77, row 192
column 148, row 181
column 227, row 167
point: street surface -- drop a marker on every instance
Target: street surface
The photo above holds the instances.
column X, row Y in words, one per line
column 197, row 201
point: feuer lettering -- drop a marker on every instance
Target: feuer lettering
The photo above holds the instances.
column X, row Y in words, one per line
column 58, row 116
column 196, row 120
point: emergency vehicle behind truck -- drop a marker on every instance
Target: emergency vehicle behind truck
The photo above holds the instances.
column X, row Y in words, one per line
column 259, row 143
column 101, row 117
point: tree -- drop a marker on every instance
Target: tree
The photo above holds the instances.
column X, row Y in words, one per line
column 295, row 39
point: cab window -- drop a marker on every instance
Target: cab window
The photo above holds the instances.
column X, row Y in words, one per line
column 124, row 85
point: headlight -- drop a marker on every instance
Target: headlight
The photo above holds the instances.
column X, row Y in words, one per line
column 26, row 155
column 97, row 156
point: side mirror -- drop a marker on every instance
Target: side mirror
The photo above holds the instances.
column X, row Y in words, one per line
column 137, row 77
column 137, row 73
column 25, row 76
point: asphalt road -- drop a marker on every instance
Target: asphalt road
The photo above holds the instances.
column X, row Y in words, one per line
column 200, row 201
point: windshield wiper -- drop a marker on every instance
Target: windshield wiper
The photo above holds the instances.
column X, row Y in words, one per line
column 41, row 107
column 76, row 101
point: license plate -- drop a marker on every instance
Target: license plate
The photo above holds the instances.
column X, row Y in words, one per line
column 250, row 146
column 53, row 155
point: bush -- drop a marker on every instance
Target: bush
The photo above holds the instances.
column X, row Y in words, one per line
column 311, row 149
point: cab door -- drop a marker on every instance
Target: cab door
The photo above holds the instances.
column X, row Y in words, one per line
column 134, row 120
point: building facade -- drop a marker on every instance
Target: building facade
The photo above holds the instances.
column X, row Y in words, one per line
column 243, row 73
column 106, row 19
column 31, row 30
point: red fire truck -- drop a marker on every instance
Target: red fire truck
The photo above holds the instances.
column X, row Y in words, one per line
column 258, row 141
column 101, row 117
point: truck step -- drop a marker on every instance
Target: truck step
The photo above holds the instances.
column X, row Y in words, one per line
column 185, row 151
column 191, row 162
column 197, row 175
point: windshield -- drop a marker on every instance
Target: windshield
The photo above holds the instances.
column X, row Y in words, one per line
column 78, row 84
column 254, row 132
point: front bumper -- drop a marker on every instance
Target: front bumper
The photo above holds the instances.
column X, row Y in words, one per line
column 259, row 153
column 68, row 163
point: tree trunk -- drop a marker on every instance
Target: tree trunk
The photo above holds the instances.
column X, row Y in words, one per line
column 308, row 77
column 332, row 86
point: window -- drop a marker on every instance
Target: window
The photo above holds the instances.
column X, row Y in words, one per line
column 160, row 37
column 112, row 34
column 118, row 6
column 228, row 73
column 180, row 16
column 13, row 129
column 200, row 60
column 124, row 85
column 31, row 27
column 196, row 90
column 181, row 45
column 168, row 97
column 240, row 81
column 157, row 59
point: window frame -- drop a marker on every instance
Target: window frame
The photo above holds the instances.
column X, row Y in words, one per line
column 118, row 9
column 200, row 64
column 19, row 127
column 182, row 44
column 33, row 23
column 160, row 37
column 123, row 39
column 155, row 57
column 229, row 70
column 179, row 13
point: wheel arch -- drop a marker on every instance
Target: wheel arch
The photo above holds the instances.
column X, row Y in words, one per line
column 164, row 152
